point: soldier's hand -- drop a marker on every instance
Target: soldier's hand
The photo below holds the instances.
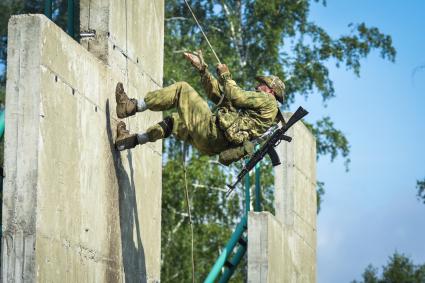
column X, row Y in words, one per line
column 222, row 69
column 196, row 59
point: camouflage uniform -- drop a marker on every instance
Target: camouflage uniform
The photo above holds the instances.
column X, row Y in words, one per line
column 241, row 117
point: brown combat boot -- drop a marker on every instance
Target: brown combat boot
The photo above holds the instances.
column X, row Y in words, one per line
column 125, row 106
column 125, row 140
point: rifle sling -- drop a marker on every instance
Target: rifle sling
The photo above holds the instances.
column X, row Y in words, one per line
column 279, row 116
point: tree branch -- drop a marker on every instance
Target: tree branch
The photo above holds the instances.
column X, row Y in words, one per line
column 170, row 236
column 176, row 19
column 234, row 36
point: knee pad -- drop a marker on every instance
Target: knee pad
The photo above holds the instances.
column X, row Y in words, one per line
column 167, row 126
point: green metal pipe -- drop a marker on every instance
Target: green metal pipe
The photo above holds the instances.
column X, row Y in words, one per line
column 221, row 260
column 48, row 8
column 1, row 123
column 247, row 194
column 70, row 18
column 257, row 203
column 236, row 259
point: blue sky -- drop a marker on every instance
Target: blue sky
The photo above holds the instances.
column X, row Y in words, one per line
column 372, row 211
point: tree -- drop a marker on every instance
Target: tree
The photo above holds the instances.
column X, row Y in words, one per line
column 399, row 269
column 253, row 37
column 420, row 185
column 212, row 215
column 15, row 7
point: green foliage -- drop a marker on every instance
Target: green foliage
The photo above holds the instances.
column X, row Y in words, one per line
column 399, row 269
column 254, row 37
column 420, row 185
column 266, row 185
column 15, row 7
column 320, row 192
column 213, row 216
column 330, row 141
column 370, row 275
column 2, row 96
column 257, row 37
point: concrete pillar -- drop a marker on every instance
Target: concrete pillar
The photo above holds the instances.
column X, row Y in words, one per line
column 75, row 209
column 282, row 248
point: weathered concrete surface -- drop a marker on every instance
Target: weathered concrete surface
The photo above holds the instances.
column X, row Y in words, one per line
column 266, row 248
column 289, row 238
column 295, row 178
column 74, row 209
column 127, row 47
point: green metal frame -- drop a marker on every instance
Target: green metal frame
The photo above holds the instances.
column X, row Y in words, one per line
column 70, row 18
column 1, row 123
column 247, row 194
column 48, row 8
column 223, row 261
column 257, row 203
column 233, row 263
column 48, row 11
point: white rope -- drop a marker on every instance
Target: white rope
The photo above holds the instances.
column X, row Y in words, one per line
column 205, row 36
column 188, row 209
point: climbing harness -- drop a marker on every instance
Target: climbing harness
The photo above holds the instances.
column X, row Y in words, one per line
column 188, row 208
column 203, row 33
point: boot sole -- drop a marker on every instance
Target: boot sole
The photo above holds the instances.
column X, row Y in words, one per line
column 122, row 116
column 126, row 143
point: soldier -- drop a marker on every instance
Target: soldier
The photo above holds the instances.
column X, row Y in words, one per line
column 241, row 115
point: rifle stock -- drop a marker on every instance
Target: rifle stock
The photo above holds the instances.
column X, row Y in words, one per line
column 298, row 115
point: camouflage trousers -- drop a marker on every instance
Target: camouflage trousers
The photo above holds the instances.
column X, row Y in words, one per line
column 193, row 122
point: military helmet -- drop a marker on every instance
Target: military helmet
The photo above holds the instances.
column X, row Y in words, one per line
column 275, row 84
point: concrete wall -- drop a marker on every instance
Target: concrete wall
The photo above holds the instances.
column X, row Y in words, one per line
column 127, row 34
column 282, row 248
column 74, row 209
column 267, row 248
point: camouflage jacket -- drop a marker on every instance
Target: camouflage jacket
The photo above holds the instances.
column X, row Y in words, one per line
column 242, row 115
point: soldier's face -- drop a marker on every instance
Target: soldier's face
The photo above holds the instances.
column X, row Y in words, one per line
column 264, row 88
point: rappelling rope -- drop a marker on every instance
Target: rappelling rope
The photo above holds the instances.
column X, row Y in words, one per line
column 185, row 148
column 188, row 208
column 205, row 36
column 212, row 49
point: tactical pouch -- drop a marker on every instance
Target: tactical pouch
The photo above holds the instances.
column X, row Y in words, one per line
column 237, row 133
column 226, row 118
column 236, row 153
column 234, row 127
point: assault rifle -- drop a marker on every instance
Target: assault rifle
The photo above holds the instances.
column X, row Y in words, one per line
column 268, row 147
